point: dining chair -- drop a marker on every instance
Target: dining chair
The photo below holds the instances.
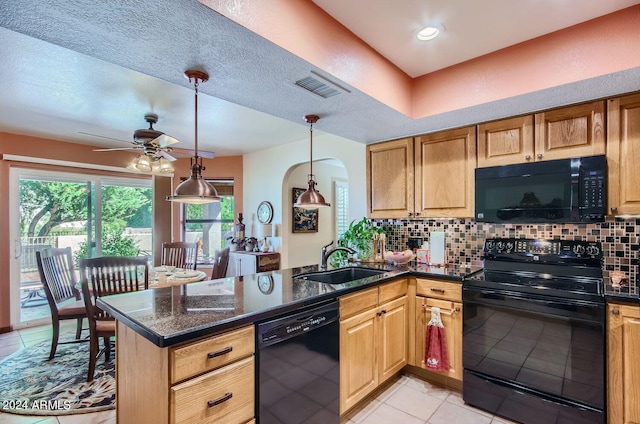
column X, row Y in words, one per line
column 220, row 263
column 59, row 283
column 105, row 276
column 180, row 254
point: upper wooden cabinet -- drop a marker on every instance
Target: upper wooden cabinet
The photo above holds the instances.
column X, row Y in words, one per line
column 390, row 191
column 623, row 154
column 568, row 132
column 445, row 166
column 430, row 177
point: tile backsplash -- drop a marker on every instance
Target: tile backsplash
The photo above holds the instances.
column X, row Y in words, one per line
column 465, row 239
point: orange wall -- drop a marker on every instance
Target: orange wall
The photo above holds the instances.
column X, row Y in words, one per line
column 230, row 167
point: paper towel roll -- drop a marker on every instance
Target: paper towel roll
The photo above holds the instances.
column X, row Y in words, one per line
column 437, row 247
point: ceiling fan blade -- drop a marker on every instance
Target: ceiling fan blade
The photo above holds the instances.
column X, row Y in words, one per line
column 165, row 155
column 116, row 148
column 189, row 152
column 164, row 140
column 105, row 137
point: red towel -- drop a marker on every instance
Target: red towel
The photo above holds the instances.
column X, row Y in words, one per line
column 436, row 356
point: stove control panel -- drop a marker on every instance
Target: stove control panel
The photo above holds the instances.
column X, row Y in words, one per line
column 535, row 249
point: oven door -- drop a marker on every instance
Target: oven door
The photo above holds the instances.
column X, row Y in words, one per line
column 552, row 349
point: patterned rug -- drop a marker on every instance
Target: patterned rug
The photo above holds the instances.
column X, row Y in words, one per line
column 32, row 385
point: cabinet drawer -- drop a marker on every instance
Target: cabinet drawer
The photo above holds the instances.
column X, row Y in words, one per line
column 352, row 304
column 224, row 395
column 392, row 290
column 208, row 354
column 439, row 289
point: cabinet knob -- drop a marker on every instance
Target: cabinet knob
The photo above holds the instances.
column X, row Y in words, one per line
column 410, row 214
column 539, row 156
column 527, row 158
column 615, row 311
column 614, row 209
column 456, row 309
column 384, row 311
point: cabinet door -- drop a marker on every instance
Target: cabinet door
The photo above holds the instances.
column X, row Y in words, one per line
column 241, row 264
column 358, row 371
column 623, row 340
column 505, row 142
column 393, row 338
column 451, row 315
column 623, row 154
column 390, row 190
column 445, row 166
column 570, row 132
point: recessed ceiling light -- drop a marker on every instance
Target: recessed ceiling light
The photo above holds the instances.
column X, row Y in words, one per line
column 429, row 32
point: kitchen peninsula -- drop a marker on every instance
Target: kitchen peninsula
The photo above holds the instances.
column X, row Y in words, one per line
column 182, row 350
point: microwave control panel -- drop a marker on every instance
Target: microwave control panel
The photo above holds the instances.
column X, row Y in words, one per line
column 593, row 195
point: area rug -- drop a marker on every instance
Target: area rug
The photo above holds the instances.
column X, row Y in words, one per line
column 30, row 384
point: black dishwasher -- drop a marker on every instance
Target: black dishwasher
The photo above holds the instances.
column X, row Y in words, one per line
column 298, row 375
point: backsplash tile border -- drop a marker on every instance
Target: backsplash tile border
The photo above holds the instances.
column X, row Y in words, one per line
column 465, row 239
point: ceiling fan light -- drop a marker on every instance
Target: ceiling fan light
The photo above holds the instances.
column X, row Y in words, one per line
column 143, row 164
column 164, row 166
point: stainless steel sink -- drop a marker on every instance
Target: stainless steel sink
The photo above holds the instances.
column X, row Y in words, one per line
column 341, row 275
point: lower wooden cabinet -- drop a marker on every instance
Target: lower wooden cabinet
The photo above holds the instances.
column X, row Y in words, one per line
column 623, row 345
column 373, row 339
column 206, row 381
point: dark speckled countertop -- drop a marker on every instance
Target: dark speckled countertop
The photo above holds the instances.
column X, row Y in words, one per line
column 171, row 315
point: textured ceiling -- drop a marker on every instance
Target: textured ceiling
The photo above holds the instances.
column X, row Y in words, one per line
column 79, row 66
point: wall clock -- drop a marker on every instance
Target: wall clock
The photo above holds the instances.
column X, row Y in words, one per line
column 265, row 212
column 265, row 283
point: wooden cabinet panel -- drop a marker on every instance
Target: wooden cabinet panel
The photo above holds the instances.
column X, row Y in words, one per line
column 445, row 164
column 439, row 289
column 393, row 290
column 572, row 131
column 451, row 315
column 358, row 372
column 224, row 395
column 505, row 142
column 208, row 354
column 393, row 338
column 360, row 301
column 623, row 154
column 623, row 341
column 390, row 191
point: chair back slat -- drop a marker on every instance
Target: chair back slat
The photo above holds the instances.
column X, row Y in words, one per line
column 220, row 263
column 180, row 254
column 57, row 275
column 109, row 275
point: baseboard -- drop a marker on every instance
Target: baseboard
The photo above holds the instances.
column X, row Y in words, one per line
column 6, row 329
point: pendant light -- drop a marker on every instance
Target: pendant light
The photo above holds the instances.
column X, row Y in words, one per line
column 195, row 190
column 311, row 199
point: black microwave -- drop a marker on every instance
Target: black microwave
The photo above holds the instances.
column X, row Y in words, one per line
column 555, row 191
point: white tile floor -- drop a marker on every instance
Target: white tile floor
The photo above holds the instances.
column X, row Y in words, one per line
column 408, row 400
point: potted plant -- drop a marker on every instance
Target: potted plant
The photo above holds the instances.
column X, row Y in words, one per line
column 359, row 237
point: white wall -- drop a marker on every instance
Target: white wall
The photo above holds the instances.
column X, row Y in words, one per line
column 267, row 176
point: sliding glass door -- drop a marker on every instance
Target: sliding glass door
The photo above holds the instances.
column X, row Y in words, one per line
column 92, row 215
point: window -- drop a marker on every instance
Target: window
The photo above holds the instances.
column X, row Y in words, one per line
column 210, row 224
column 341, row 192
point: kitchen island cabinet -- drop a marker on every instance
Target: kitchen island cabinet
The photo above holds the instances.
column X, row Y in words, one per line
column 246, row 263
column 623, row 372
column 623, row 154
column 373, row 339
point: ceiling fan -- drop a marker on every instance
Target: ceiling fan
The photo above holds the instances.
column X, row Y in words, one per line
column 155, row 144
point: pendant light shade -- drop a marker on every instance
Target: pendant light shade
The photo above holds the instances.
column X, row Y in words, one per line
column 311, row 198
column 195, row 189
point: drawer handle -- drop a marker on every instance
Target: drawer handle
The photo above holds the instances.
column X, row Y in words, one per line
column 224, row 351
column 384, row 311
column 437, row 290
column 218, row 401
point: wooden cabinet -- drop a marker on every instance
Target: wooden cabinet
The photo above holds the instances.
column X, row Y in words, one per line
column 567, row 132
column 390, row 190
column 248, row 263
column 448, row 297
column 623, row 154
column 432, row 176
column 373, row 339
column 623, row 372
column 444, row 182
column 206, row 381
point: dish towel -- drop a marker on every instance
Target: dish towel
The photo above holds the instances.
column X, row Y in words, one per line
column 436, row 355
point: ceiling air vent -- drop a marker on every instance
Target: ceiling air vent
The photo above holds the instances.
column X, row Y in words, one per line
column 320, row 86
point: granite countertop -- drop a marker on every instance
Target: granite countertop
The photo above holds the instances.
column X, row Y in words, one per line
column 171, row 315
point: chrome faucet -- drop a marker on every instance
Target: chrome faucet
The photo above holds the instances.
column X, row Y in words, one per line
column 325, row 255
